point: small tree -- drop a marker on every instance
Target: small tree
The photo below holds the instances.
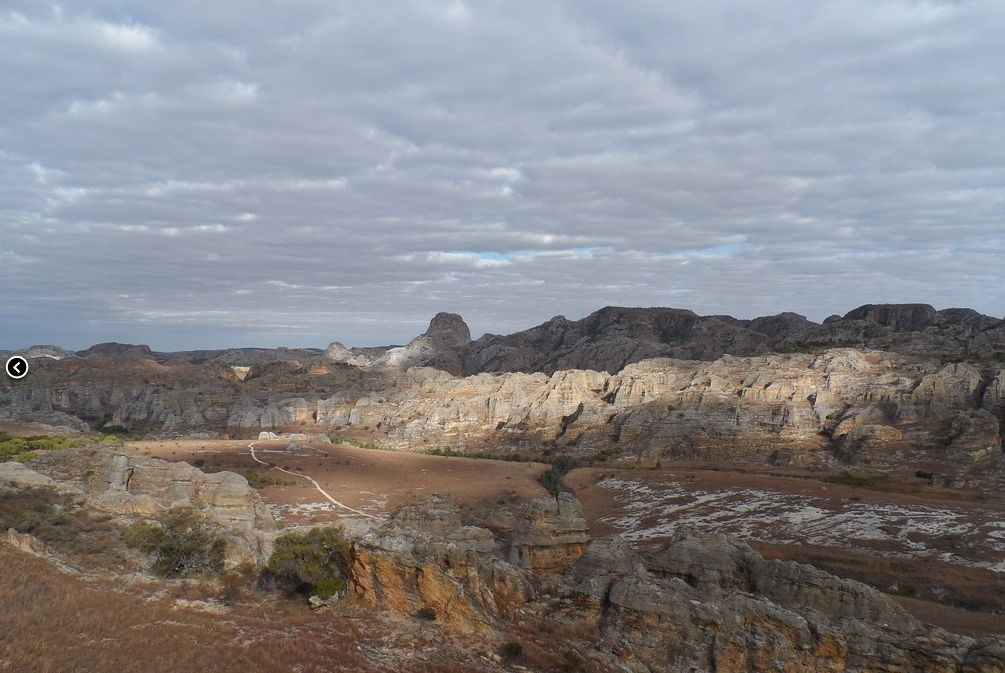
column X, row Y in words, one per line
column 312, row 562
column 182, row 542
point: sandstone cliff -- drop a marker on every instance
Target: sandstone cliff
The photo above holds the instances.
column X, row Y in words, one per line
column 700, row 604
column 842, row 405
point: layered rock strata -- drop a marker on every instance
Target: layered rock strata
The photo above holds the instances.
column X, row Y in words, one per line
column 841, row 405
column 700, row 604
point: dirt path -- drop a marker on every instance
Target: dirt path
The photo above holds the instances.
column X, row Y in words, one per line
column 310, row 479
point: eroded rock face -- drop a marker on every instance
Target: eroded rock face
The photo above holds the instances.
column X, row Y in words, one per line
column 713, row 604
column 702, row 604
column 423, row 558
column 551, row 534
column 842, row 405
column 122, row 482
column 438, row 347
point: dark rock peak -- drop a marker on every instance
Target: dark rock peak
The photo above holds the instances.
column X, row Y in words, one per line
column 969, row 318
column 114, row 348
column 905, row 317
column 779, row 325
column 448, row 329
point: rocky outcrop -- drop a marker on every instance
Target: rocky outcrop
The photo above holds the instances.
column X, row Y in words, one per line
column 840, row 405
column 614, row 337
column 122, row 482
column 46, row 351
column 844, row 405
column 423, row 559
column 337, row 352
column 711, row 603
column 702, row 603
column 551, row 535
column 901, row 317
column 439, row 346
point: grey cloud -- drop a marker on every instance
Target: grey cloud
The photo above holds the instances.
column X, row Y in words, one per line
column 199, row 175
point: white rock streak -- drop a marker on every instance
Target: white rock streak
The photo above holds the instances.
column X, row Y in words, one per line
column 310, row 479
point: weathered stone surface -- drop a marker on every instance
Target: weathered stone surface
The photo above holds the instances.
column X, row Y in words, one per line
column 843, row 404
column 438, row 347
column 423, row 558
column 122, row 482
column 906, row 317
column 702, row 604
column 551, row 534
column 42, row 351
column 975, row 436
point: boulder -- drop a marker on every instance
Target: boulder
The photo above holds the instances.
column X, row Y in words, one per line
column 551, row 534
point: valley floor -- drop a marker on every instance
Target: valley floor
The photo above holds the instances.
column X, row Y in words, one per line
column 940, row 551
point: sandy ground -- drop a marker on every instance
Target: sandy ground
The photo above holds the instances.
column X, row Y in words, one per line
column 375, row 482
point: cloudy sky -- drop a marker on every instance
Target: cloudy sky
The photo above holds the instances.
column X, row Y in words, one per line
column 210, row 173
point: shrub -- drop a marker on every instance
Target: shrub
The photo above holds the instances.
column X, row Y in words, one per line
column 312, row 562
column 552, row 479
column 182, row 542
column 512, row 649
column 259, row 482
column 427, row 613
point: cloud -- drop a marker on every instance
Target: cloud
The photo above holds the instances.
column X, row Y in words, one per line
column 312, row 171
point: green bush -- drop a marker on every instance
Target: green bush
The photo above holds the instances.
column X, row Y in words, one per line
column 182, row 542
column 312, row 562
column 259, row 482
column 552, row 479
column 20, row 448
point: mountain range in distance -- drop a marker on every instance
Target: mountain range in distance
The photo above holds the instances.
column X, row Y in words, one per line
column 613, row 337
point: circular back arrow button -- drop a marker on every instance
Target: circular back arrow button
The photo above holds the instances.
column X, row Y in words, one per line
column 17, row 367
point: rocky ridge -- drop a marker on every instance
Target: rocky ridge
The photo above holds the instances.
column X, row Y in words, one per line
column 842, row 405
column 700, row 604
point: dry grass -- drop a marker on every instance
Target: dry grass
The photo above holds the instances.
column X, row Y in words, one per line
column 59, row 623
column 52, row 622
column 81, row 536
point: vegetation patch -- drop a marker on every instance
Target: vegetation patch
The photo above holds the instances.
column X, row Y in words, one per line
column 259, row 482
column 450, row 452
column 315, row 562
column 181, row 541
column 552, row 479
column 20, row 448
column 370, row 445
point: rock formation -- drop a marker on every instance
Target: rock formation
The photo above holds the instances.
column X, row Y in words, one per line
column 551, row 535
column 614, row 337
column 122, row 482
column 699, row 604
column 117, row 349
column 424, row 559
column 844, row 405
column 439, row 346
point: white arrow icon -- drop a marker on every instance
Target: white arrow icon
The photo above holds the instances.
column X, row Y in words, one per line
column 17, row 367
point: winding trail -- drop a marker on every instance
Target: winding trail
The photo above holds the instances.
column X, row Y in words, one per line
column 323, row 492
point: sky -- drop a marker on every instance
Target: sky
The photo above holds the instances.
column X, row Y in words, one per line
column 213, row 173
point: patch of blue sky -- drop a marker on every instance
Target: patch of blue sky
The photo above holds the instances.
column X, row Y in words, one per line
column 484, row 256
